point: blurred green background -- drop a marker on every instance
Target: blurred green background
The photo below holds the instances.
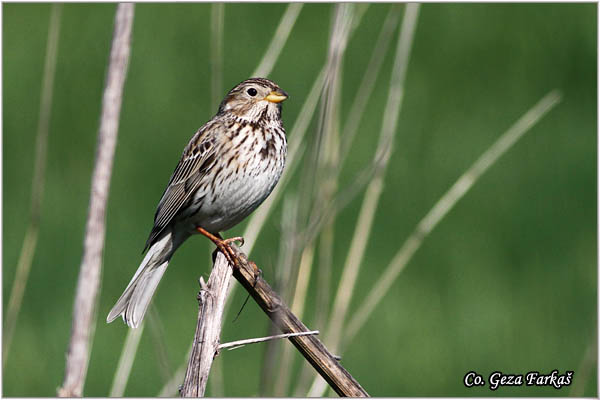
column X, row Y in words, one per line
column 508, row 281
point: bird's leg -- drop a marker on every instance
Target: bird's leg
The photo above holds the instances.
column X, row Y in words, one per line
column 223, row 244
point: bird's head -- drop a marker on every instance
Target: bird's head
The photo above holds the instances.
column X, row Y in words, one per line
column 254, row 99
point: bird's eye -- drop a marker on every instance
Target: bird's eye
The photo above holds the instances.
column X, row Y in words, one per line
column 252, row 92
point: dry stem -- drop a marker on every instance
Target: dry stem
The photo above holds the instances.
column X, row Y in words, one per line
column 91, row 264
column 240, row 343
column 211, row 300
column 310, row 347
column 206, row 341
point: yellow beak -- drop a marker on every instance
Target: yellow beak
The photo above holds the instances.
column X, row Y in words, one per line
column 276, row 96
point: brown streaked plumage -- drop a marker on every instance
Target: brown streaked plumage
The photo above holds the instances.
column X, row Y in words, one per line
column 228, row 168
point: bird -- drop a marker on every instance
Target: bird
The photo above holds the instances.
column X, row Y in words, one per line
column 228, row 168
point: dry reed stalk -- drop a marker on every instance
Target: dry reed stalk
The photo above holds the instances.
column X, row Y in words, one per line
column 211, row 299
column 37, row 184
column 91, row 264
column 241, row 343
column 310, row 347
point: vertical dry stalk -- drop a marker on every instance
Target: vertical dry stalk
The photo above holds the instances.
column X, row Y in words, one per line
column 217, row 23
column 211, row 299
column 37, row 184
column 89, row 275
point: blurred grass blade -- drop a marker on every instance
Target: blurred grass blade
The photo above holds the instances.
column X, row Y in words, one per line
column 298, row 303
column 157, row 332
column 37, row 184
column 324, row 213
column 272, row 381
column 318, row 185
column 286, row 274
column 126, row 361
column 326, row 155
column 217, row 17
column 443, row 206
column 216, row 379
column 368, row 82
column 359, row 11
column 171, row 388
column 585, row 369
column 367, row 213
column 279, row 39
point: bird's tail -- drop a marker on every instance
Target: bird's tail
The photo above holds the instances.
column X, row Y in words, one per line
column 134, row 301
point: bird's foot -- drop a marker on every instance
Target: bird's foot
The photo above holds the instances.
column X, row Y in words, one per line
column 223, row 244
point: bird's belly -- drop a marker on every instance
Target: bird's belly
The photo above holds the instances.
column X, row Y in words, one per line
column 235, row 196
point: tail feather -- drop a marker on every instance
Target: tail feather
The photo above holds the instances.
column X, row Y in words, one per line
column 134, row 301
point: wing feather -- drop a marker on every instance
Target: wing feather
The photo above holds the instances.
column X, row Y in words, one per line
column 197, row 158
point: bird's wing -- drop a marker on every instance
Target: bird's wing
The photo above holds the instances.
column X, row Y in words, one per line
column 197, row 158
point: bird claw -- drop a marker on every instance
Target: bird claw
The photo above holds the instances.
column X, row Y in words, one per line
column 223, row 245
column 233, row 240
